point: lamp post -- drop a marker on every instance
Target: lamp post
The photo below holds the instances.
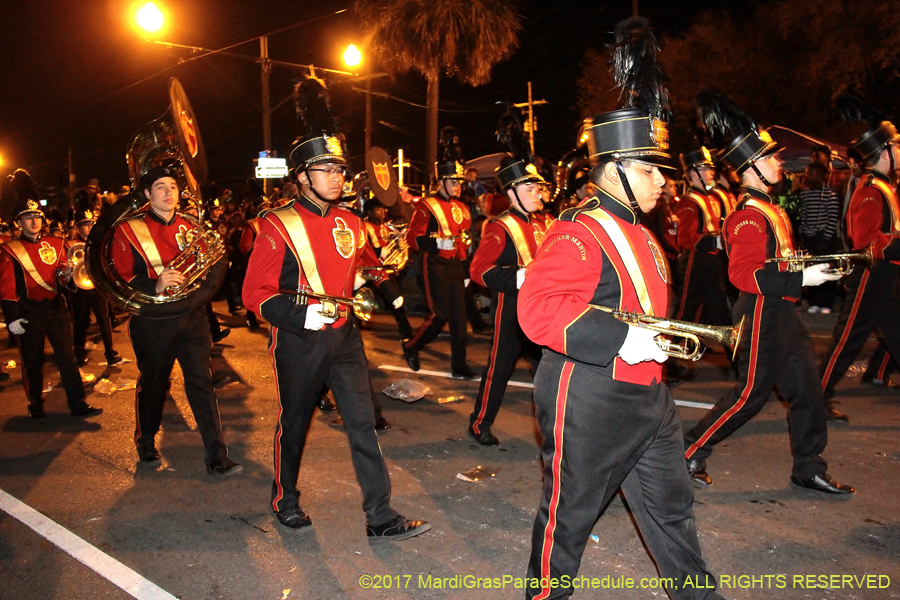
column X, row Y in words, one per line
column 353, row 58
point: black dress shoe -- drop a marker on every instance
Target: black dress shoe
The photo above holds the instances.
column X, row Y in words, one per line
column 294, row 517
column 400, row 528
column 87, row 411
column 697, row 470
column 463, row 373
column 381, row 424
column 835, row 415
column 224, row 468
column 485, row 438
column 880, row 383
column 3, row 376
column 326, row 405
column 218, row 337
column 81, row 360
column 149, row 454
column 36, row 411
column 113, row 358
column 823, row 483
column 411, row 355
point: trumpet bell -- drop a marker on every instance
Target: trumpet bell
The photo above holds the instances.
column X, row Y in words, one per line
column 80, row 277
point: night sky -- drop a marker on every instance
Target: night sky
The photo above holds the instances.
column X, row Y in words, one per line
column 78, row 74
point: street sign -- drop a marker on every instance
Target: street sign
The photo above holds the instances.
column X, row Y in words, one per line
column 271, row 168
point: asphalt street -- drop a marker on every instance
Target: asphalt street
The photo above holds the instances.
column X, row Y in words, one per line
column 81, row 519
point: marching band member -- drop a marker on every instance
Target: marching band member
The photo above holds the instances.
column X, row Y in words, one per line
column 508, row 243
column 379, row 236
column 436, row 230
column 873, row 218
column 34, row 309
column 776, row 349
column 311, row 245
column 606, row 417
column 141, row 247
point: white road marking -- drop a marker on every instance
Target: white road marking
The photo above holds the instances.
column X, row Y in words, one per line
column 105, row 565
column 524, row 384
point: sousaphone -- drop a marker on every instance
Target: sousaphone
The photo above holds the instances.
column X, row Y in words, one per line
column 173, row 140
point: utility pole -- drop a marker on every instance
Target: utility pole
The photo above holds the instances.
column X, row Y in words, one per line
column 71, row 180
column 266, row 114
column 530, row 123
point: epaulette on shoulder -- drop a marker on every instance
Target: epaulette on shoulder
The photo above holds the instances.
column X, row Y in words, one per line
column 869, row 180
column 742, row 201
column 264, row 213
column 570, row 214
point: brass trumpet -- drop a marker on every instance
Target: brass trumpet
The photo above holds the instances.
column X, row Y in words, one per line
column 692, row 348
column 464, row 237
column 800, row 259
column 362, row 303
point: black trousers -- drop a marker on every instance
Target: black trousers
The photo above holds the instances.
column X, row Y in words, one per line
column 703, row 288
column 600, row 434
column 872, row 301
column 83, row 302
column 157, row 344
column 775, row 350
column 446, row 296
column 881, row 363
column 508, row 344
column 49, row 320
column 399, row 314
column 303, row 365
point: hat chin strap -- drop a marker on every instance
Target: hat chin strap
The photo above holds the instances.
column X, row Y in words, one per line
column 315, row 193
column 761, row 176
column 627, row 186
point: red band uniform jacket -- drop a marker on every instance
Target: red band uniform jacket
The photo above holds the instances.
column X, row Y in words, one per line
column 699, row 222
column 28, row 271
column 445, row 218
column 334, row 245
column 578, row 266
column 873, row 213
column 758, row 230
column 509, row 241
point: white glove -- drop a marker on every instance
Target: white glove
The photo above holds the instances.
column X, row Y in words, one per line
column 446, row 244
column 398, row 302
column 315, row 320
column 358, row 281
column 817, row 275
column 640, row 345
column 18, row 326
column 520, row 278
column 466, row 282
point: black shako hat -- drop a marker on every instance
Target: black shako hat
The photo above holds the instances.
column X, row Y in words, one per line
column 25, row 192
column 637, row 132
column 733, row 131
column 322, row 142
column 697, row 157
column 879, row 133
column 517, row 166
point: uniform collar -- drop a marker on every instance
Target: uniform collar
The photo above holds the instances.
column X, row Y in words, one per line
column 159, row 219
column 514, row 211
column 616, row 207
column 313, row 207
column 756, row 193
column 26, row 238
column 878, row 175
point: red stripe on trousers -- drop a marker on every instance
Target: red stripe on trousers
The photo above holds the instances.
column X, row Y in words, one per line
column 843, row 341
column 489, row 378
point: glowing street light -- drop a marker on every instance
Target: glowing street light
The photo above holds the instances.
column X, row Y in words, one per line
column 150, row 18
column 352, row 56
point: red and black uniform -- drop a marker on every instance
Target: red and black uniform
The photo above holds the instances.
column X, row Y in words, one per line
column 444, row 273
column 303, row 246
column 379, row 235
column 604, row 423
column 873, row 298
column 699, row 224
column 29, row 291
column 508, row 243
column 141, row 249
column 775, row 349
column 728, row 203
column 248, row 238
column 83, row 302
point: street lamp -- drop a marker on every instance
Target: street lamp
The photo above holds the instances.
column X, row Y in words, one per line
column 150, row 18
column 352, row 56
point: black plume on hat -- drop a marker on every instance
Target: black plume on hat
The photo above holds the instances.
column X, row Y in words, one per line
column 851, row 109
column 451, row 151
column 23, row 185
column 636, row 69
column 510, row 133
column 721, row 119
column 311, row 104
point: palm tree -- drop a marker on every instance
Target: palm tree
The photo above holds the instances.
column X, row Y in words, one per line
column 465, row 38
